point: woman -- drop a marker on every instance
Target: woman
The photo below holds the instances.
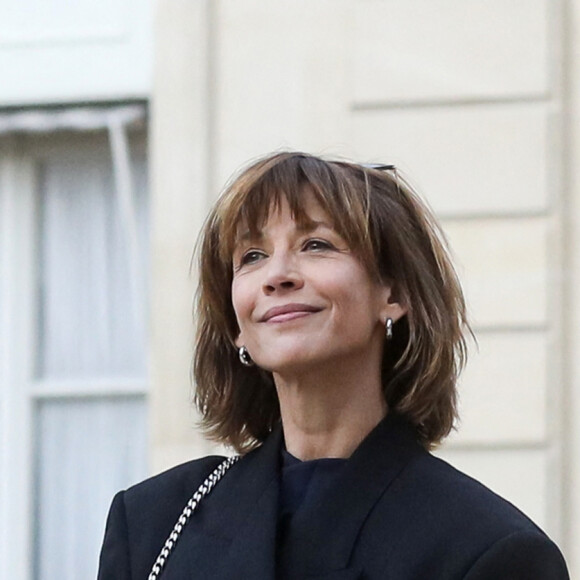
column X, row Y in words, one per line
column 330, row 336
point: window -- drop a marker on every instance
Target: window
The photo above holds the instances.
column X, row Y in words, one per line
column 72, row 308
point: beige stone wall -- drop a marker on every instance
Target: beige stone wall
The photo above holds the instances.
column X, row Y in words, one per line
column 474, row 101
column 571, row 295
column 179, row 184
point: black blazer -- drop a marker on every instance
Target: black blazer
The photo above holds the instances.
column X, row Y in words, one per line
column 394, row 512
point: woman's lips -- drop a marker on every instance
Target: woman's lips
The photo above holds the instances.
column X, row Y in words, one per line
column 288, row 312
column 288, row 316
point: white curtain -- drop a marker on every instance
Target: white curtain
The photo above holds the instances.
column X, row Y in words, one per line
column 86, row 451
column 92, row 324
column 91, row 331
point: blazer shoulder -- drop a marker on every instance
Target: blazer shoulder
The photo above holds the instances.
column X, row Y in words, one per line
column 436, row 506
column 519, row 556
column 176, row 484
column 142, row 517
column 465, row 497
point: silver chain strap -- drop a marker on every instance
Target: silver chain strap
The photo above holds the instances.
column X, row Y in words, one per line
column 200, row 493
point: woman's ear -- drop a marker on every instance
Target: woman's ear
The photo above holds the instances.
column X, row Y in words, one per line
column 392, row 305
column 239, row 341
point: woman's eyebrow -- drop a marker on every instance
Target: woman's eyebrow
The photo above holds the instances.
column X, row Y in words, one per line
column 307, row 226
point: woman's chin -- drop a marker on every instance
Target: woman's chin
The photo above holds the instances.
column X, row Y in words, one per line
column 299, row 362
column 288, row 367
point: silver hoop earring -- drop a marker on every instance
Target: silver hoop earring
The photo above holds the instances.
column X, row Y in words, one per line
column 389, row 328
column 245, row 357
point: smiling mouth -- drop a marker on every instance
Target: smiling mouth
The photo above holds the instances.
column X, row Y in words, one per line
column 289, row 312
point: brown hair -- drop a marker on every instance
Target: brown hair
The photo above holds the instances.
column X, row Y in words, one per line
column 397, row 238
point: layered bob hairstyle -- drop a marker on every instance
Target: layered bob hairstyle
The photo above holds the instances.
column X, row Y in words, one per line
column 394, row 235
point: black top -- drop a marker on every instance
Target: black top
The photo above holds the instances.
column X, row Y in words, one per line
column 301, row 480
column 302, row 486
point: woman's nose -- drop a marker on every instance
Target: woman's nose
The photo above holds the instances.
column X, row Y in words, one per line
column 282, row 274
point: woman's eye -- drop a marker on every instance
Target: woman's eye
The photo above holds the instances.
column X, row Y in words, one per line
column 317, row 245
column 251, row 257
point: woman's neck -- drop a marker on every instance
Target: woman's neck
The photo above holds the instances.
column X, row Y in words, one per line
column 328, row 415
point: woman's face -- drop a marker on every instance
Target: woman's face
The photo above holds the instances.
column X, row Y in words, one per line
column 302, row 298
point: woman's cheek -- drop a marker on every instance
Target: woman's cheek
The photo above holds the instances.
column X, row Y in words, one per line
column 241, row 301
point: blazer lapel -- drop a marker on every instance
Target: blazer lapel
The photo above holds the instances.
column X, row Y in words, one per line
column 323, row 538
column 243, row 511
